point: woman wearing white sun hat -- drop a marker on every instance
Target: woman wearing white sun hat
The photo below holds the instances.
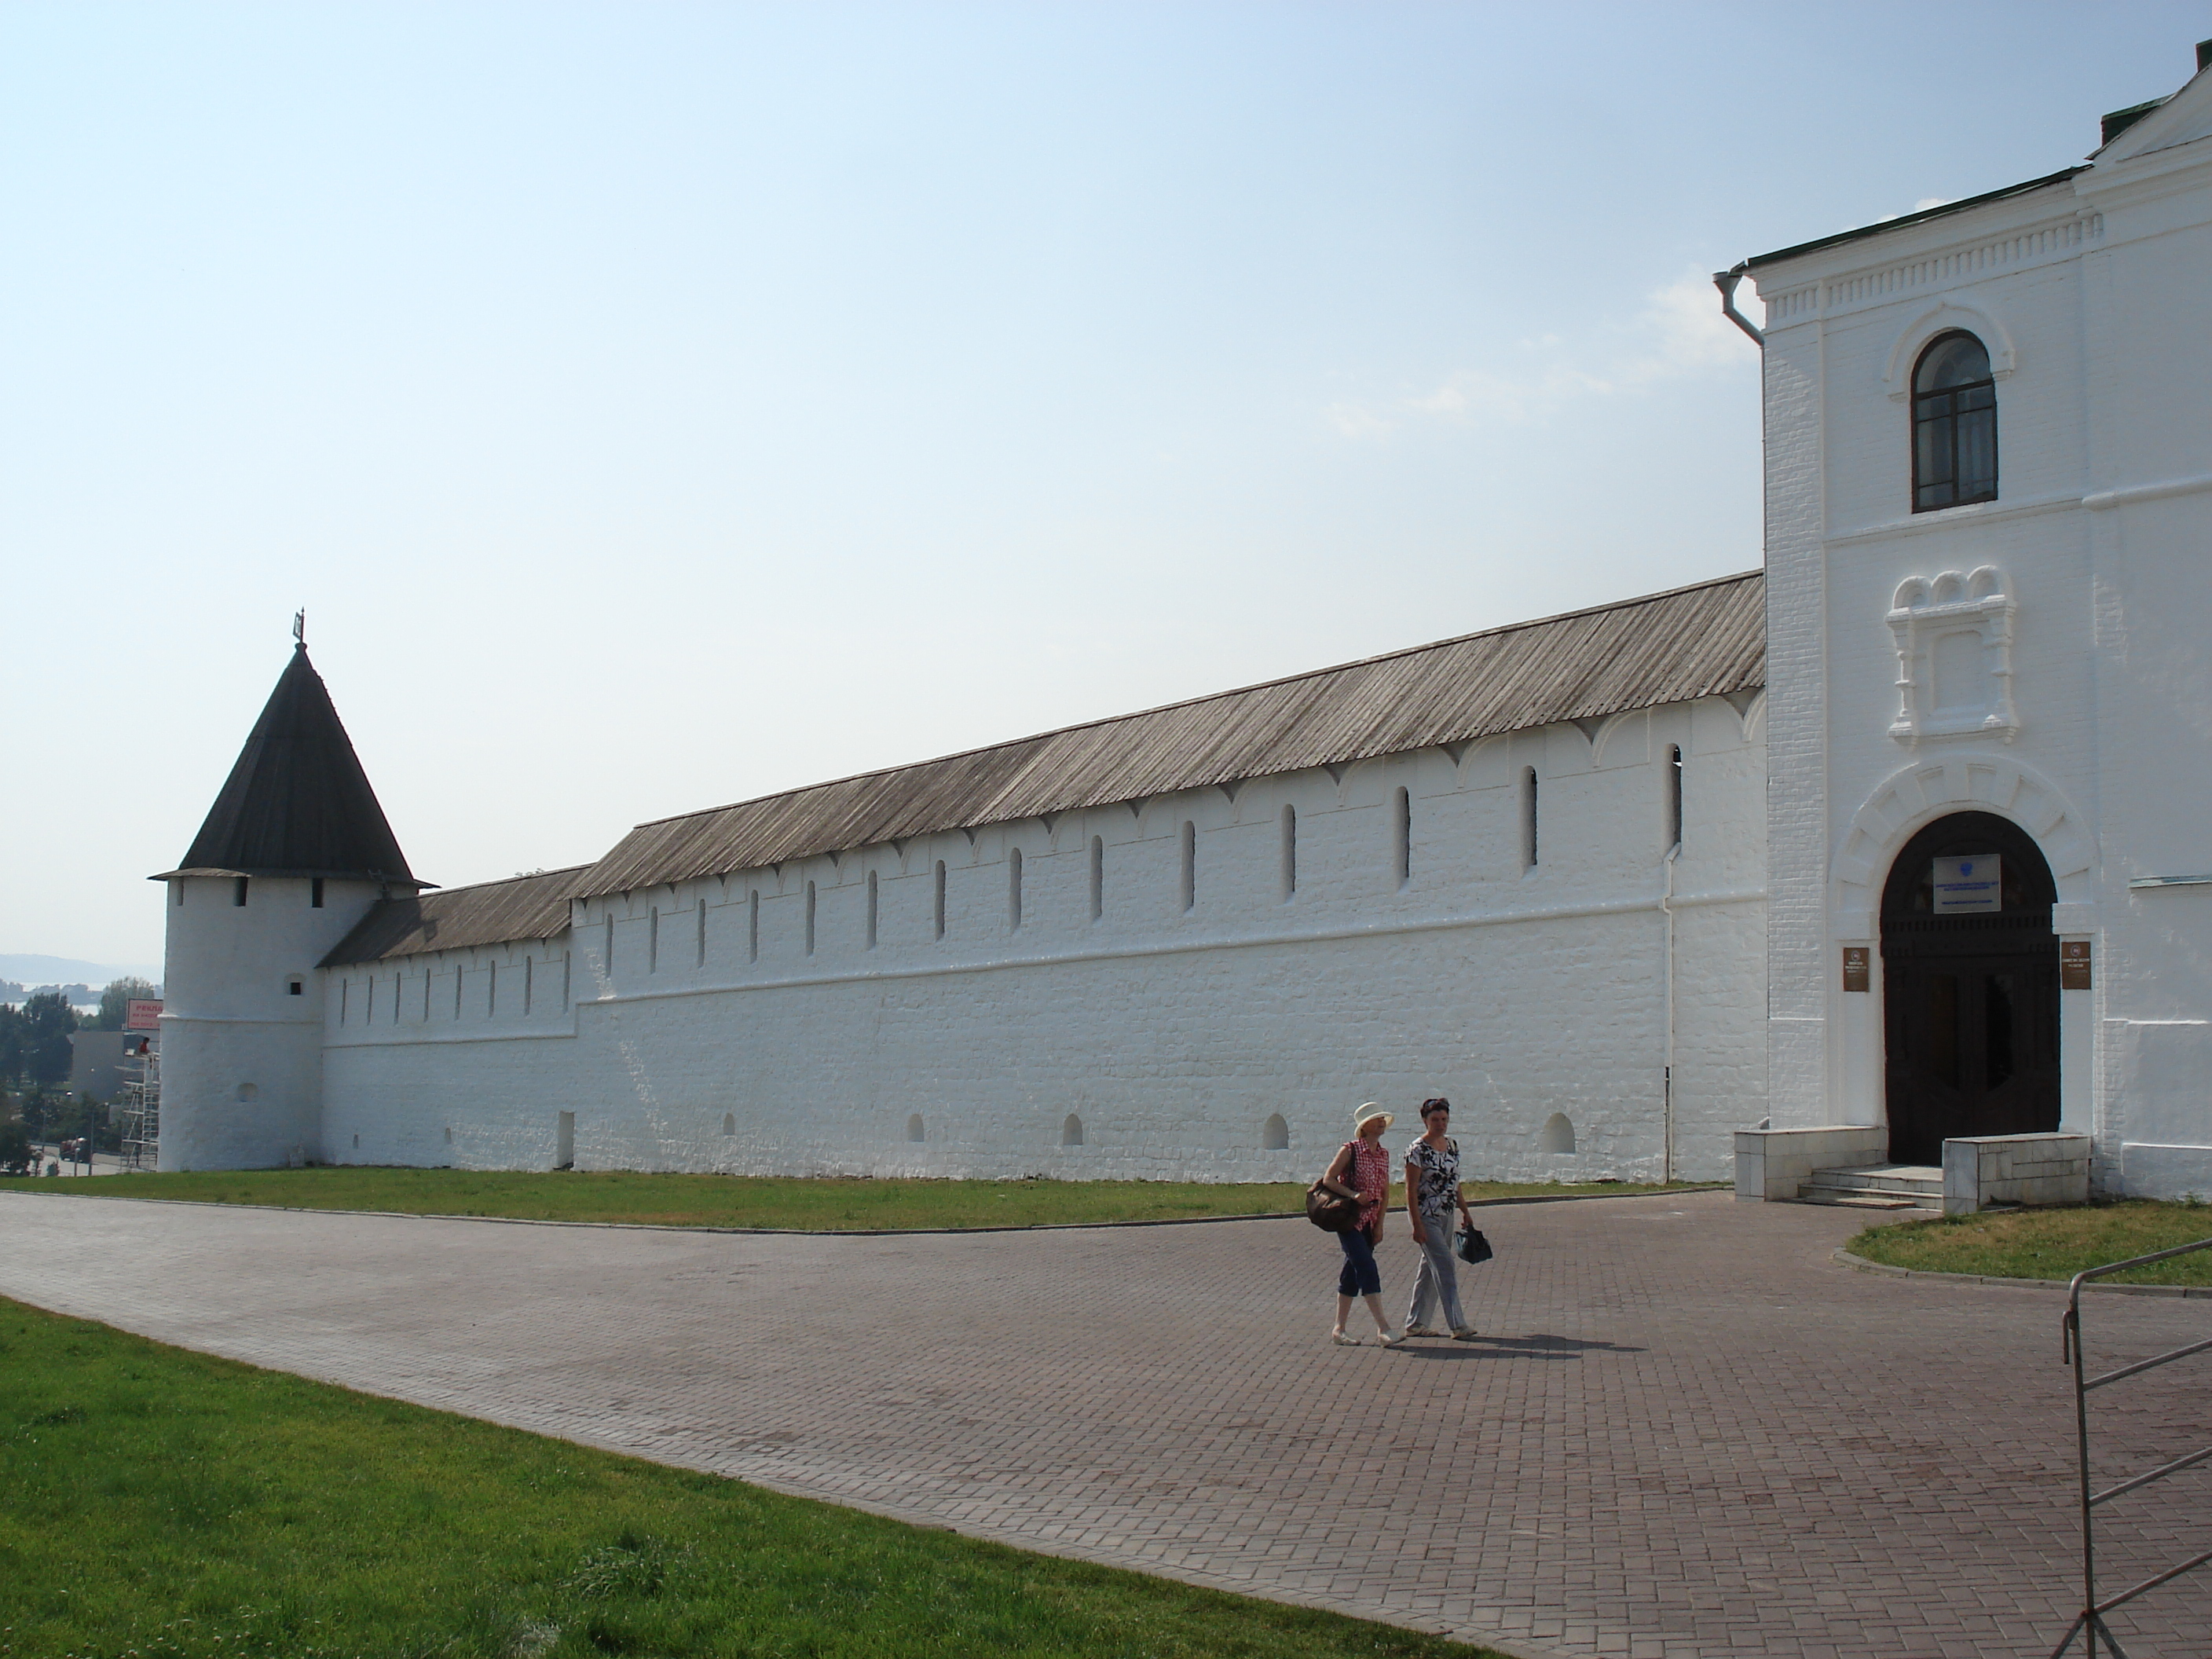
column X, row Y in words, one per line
column 1361, row 1171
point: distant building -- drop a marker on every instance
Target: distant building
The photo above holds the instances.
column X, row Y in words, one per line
column 101, row 1062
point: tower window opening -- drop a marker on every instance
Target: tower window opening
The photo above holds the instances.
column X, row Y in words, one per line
column 752, row 925
column 652, row 940
column 1528, row 848
column 809, row 918
column 1955, row 424
column 607, row 957
column 568, row 959
column 295, row 988
column 1288, row 854
column 345, row 996
column 181, row 896
column 1402, row 836
column 699, row 943
column 238, row 892
column 1674, row 794
column 938, row 901
column 1187, row 882
column 1098, row 877
column 460, row 977
column 315, row 894
column 1014, row 890
column 491, row 990
column 529, row 973
column 871, row 909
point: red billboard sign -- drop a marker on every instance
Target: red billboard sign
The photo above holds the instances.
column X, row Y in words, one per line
column 142, row 1016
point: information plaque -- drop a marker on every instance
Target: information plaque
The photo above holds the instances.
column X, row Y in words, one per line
column 2073, row 965
column 1858, row 969
column 1972, row 885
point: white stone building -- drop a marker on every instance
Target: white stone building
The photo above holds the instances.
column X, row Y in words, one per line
column 1988, row 484
column 1528, row 869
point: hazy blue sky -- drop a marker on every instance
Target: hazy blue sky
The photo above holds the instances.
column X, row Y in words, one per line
column 657, row 406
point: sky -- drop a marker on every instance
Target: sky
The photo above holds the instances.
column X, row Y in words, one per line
column 658, row 406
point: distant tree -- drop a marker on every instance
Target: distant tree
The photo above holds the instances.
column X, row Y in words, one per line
column 15, row 1149
column 11, row 1041
column 115, row 1001
column 47, row 1020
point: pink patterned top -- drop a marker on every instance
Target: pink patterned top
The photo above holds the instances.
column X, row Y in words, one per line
column 1369, row 1173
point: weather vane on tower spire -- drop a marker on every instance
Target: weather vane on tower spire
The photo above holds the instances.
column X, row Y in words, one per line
column 300, row 629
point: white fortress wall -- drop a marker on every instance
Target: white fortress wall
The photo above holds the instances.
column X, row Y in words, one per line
column 1369, row 947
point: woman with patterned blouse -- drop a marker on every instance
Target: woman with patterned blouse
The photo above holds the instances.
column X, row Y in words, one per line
column 1431, row 1190
column 1361, row 1171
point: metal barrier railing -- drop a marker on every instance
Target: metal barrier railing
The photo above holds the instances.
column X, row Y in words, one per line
column 2090, row 1624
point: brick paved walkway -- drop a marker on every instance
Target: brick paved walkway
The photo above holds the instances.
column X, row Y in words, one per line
column 1689, row 1434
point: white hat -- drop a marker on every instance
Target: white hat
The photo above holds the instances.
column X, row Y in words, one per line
column 1362, row 1115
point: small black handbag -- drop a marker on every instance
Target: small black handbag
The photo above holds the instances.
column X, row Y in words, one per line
column 1470, row 1246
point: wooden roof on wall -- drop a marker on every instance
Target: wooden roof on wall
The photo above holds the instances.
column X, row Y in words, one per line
column 1705, row 640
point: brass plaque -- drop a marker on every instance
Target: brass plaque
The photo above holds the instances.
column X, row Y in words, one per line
column 2073, row 965
column 1857, row 975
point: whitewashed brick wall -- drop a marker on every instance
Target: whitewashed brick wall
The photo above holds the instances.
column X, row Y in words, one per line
column 2087, row 296
column 1173, row 1036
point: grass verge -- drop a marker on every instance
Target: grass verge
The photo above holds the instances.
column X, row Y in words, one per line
column 163, row 1505
column 2049, row 1243
column 708, row 1200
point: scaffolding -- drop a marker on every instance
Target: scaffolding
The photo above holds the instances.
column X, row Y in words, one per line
column 140, row 1113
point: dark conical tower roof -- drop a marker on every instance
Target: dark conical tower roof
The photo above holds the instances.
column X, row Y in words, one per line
column 297, row 803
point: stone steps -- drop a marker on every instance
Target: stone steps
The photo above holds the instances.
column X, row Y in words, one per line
column 1877, row 1187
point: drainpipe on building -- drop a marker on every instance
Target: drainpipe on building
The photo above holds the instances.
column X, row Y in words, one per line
column 1666, row 1071
column 1726, row 281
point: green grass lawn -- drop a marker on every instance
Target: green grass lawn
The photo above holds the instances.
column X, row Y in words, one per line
column 161, row 1504
column 706, row 1200
column 2049, row 1243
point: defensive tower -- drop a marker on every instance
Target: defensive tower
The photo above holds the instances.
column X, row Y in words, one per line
column 293, row 854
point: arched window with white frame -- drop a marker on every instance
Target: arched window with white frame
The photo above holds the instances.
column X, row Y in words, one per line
column 1955, row 424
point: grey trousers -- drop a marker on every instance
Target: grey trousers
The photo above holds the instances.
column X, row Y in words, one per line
column 1437, row 1280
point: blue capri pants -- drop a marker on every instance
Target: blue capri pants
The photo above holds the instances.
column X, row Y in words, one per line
column 1360, row 1277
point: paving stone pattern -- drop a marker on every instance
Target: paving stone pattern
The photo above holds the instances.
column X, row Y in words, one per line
column 1686, row 1432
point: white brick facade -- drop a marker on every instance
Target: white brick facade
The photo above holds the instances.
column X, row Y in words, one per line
column 2061, row 626
column 698, row 1031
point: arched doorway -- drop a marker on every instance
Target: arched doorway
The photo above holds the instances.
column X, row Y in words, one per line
column 1970, row 982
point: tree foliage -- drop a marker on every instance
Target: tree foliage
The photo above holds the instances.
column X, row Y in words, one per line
column 45, row 1021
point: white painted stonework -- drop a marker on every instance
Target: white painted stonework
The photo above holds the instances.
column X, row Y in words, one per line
column 1202, row 984
column 692, row 1028
column 2044, row 656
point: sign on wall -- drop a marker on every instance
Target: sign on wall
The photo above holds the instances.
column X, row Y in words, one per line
column 2074, row 964
column 1971, row 886
column 1858, row 971
column 142, row 1016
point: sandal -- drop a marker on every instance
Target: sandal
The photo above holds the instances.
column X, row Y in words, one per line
column 1343, row 1339
column 1423, row 1330
column 1465, row 1333
column 1387, row 1339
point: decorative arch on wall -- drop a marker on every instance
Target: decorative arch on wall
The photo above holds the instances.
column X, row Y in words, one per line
column 1611, row 727
column 1917, row 795
column 1275, row 1134
column 915, row 1130
column 1557, row 1137
column 1071, row 1131
column 1944, row 318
